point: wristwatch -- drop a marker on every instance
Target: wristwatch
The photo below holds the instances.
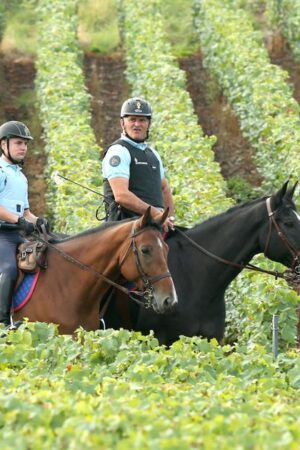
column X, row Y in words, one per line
column 172, row 218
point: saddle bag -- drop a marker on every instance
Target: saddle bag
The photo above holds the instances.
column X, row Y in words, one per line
column 31, row 256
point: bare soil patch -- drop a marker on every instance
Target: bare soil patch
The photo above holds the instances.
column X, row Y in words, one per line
column 216, row 117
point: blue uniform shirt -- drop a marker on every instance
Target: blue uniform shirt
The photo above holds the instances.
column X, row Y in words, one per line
column 116, row 162
column 13, row 188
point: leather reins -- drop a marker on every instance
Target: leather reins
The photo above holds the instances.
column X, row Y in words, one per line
column 285, row 275
column 148, row 282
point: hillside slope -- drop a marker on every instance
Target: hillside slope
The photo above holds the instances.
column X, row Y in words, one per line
column 107, row 85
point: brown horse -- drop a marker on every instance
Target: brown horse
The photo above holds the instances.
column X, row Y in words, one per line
column 69, row 292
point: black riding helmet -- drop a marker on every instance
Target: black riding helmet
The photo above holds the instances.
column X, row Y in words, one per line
column 136, row 106
column 13, row 128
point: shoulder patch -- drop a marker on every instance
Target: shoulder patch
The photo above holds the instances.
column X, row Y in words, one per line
column 115, row 161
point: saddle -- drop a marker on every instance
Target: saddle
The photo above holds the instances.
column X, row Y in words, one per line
column 32, row 256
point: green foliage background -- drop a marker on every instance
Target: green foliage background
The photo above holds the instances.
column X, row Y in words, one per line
column 120, row 390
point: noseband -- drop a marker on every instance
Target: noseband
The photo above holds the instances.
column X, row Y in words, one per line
column 148, row 282
column 272, row 221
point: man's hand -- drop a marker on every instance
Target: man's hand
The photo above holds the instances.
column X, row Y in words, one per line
column 171, row 222
column 25, row 226
column 39, row 224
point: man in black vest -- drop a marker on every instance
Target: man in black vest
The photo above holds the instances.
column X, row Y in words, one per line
column 133, row 171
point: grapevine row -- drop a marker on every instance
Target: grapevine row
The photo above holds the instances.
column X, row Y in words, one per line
column 65, row 113
column 257, row 90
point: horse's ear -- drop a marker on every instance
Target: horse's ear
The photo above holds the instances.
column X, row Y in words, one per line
column 164, row 216
column 146, row 218
column 290, row 192
column 278, row 197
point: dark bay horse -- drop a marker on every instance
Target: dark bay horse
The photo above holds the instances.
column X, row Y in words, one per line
column 67, row 295
column 201, row 280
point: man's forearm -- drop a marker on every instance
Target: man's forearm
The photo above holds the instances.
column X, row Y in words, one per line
column 168, row 200
column 131, row 202
column 8, row 216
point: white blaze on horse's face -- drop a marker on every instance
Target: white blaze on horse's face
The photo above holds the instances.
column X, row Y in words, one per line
column 160, row 305
column 159, row 242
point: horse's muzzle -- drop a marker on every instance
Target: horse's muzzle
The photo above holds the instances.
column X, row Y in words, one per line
column 164, row 303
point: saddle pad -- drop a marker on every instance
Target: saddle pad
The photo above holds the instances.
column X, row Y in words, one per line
column 25, row 290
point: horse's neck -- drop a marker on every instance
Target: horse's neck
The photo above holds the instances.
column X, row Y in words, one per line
column 97, row 249
column 233, row 236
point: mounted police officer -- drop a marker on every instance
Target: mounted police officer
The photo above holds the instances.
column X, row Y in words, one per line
column 133, row 172
column 14, row 208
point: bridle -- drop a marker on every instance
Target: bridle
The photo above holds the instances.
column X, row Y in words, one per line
column 272, row 221
column 292, row 275
column 148, row 282
column 143, row 298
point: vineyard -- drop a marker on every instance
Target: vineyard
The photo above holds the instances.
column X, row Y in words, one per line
column 223, row 78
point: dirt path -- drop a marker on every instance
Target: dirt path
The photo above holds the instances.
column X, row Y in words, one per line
column 108, row 88
column 216, row 117
column 280, row 53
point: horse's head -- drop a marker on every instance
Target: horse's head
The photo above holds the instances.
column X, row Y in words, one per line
column 281, row 241
column 146, row 264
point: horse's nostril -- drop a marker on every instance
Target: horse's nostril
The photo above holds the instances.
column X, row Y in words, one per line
column 167, row 302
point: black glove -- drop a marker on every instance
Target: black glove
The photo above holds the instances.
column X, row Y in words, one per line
column 42, row 221
column 25, row 226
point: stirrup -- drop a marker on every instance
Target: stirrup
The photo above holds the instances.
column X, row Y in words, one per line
column 103, row 324
column 13, row 325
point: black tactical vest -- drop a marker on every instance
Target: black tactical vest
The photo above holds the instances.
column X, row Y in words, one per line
column 144, row 182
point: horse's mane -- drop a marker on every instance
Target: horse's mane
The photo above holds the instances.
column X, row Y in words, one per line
column 56, row 239
column 243, row 205
column 228, row 212
column 104, row 226
column 233, row 210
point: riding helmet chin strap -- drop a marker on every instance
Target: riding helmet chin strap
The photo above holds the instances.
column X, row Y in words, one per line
column 8, row 156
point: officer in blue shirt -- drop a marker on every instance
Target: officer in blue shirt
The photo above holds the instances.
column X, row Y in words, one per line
column 14, row 208
column 133, row 172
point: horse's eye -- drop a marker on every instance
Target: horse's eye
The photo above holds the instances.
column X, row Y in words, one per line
column 145, row 251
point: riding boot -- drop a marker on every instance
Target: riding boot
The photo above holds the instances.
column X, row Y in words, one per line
column 6, row 292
